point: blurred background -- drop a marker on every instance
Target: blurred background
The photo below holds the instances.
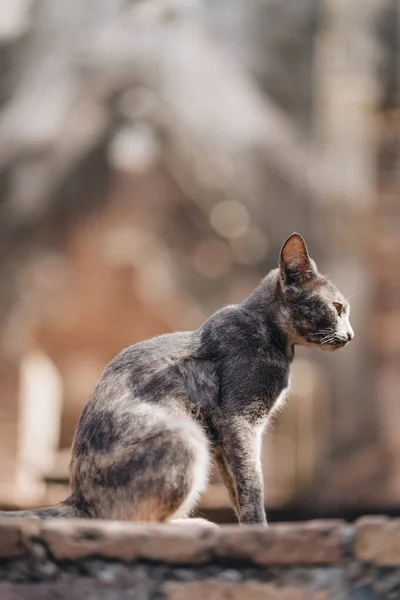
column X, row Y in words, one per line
column 154, row 155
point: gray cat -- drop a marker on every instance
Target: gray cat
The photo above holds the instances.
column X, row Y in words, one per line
column 164, row 407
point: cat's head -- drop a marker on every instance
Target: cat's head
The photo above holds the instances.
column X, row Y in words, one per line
column 317, row 313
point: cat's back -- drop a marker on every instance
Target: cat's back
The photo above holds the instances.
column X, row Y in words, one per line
column 148, row 369
column 154, row 354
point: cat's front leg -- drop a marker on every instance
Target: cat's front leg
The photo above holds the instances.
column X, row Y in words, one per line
column 227, row 478
column 242, row 457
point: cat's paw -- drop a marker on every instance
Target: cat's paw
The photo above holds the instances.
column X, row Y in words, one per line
column 195, row 522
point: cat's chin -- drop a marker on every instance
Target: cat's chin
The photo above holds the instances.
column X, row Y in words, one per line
column 331, row 347
column 322, row 347
column 316, row 345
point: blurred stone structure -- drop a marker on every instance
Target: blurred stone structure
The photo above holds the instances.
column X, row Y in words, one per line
column 153, row 157
column 386, row 326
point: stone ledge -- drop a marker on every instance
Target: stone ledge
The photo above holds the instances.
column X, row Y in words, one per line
column 251, row 590
column 317, row 542
column 377, row 541
column 15, row 537
column 85, row 559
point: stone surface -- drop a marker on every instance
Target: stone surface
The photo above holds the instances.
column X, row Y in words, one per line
column 15, row 537
column 317, row 542
column 251, row 590
column 377, row 541
column 82, row 589
column 69, row 540
column 88, row 559
column 311, row 543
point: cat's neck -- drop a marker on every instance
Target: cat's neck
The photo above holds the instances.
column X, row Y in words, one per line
column 266, row 303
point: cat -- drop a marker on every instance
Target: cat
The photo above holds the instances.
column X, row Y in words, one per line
column 164, row 407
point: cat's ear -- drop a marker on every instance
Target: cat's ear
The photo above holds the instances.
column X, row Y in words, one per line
column 295, row 265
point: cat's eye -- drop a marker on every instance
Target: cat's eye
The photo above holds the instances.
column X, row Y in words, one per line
column 339, row 308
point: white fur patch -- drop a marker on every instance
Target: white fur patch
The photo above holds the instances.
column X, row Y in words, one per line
column 279, row 402
column 199, row 443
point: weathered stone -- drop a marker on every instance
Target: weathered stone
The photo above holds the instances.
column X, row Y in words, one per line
column 14, row 537
column 377, row 541
column 316, row 568
column 316, row 542
column 69, row 540
column 220, row 590
column 80, row 589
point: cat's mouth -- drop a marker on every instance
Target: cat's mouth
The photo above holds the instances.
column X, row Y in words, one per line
column 330, row 345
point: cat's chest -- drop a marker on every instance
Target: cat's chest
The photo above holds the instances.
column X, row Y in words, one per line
column 268, row 389
column 280, row 401
column 273, row 379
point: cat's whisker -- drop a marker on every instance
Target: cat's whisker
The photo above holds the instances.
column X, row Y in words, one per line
column 327, row 336
column 327, row 339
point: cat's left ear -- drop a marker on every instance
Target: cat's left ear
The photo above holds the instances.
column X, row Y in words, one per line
column 295, row 265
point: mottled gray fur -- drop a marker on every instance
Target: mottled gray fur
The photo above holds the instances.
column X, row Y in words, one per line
column 164, row 407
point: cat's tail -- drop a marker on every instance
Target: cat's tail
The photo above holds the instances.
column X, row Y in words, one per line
column 64, row 510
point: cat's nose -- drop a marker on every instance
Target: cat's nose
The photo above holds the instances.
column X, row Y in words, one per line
column 350, row 335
